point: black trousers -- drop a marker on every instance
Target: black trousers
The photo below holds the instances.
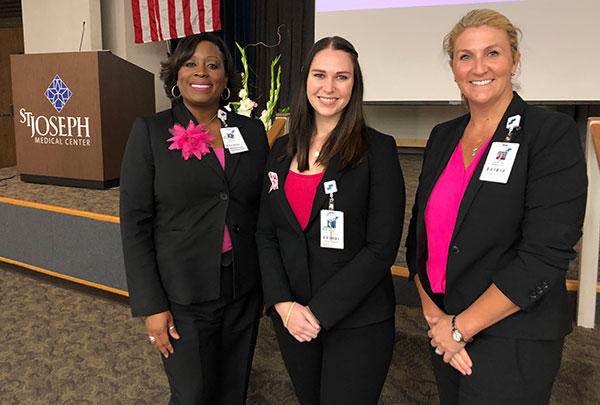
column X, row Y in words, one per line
column 341, row 366
column 212, row 359
column 505, row 371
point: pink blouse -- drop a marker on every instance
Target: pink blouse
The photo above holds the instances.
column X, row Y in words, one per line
column 441, row 212
column 220, row 153
column 300, row 190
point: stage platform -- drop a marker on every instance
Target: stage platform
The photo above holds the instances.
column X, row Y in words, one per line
column 73, row 233
column 67, row 232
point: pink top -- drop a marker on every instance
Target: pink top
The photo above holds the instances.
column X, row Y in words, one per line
column 220, row 153
column 300, row 190
column 441, row 212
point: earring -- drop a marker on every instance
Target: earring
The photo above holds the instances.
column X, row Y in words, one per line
column 228, row 94
column 173, row 92
column 513, row 73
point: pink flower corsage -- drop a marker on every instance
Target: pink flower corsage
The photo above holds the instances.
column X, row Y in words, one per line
column 193, row 140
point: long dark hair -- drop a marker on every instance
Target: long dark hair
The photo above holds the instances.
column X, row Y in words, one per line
column 185, row 50
column 348, row 139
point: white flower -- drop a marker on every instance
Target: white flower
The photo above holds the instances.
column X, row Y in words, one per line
column 243, row 94
column 264, row 117
column 246, row 107
column 228, row 107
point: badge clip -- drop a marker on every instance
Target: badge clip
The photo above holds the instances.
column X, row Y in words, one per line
column 512, row 124
column 330, row 188
column 222, row 115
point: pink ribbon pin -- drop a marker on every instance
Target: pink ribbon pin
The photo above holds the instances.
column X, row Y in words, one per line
column 274, row 181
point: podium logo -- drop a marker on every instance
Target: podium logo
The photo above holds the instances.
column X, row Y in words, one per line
column 58, row 93
column 57, row 130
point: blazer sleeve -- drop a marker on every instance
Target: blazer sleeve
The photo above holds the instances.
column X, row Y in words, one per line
column 343, row 292
column 553, row 216
column 276, row 286
column 146, row 292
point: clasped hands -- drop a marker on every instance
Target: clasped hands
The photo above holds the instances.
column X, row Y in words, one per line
column 299, row 320
column 440, row 332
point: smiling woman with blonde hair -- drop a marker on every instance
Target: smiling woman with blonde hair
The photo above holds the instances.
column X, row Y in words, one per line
column 499, row 207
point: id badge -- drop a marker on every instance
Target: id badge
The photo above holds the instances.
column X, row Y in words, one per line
column 499, row 162
column 332, row 229
column 233, row 140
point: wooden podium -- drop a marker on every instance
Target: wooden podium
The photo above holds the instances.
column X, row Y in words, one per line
column 73, row 113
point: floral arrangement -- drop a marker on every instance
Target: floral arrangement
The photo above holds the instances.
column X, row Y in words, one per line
column 193, row 140
column 246, row 105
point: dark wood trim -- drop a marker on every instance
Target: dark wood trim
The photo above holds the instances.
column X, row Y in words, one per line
column 63, row 181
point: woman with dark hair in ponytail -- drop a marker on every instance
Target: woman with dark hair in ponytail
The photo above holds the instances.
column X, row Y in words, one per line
column 330, row 222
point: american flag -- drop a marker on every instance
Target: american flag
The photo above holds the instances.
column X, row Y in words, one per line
column 158, row 20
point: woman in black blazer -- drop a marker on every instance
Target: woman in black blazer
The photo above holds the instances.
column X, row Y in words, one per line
column 189, row 206
column 489, row 254
column 328, row 291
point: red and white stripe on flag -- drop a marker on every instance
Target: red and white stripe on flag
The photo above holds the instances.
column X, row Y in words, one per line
column 158, row 20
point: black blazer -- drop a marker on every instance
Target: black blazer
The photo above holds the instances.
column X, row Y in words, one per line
column 343, row 288
column 173, row 213
column 519, row 235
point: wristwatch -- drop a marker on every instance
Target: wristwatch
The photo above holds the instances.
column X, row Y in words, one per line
column 456, row 335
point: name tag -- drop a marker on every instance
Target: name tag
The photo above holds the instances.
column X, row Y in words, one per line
column 499, row 162
column 332, row 229
column 233, row 140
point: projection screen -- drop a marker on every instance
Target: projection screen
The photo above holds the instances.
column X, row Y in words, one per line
column 400, row 51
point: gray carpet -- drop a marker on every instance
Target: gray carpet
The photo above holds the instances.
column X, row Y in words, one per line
column 67, row 344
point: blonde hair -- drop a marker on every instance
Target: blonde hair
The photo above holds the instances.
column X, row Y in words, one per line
column 478, row 17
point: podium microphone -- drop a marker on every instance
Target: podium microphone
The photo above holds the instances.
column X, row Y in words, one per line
column 82, row 32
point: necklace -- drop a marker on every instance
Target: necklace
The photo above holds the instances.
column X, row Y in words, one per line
column 211, row 120
column 475, row 149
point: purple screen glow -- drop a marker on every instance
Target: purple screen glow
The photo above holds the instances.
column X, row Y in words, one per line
column 340, row 5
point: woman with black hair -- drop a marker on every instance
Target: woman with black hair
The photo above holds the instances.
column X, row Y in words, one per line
column 329, row 227
column 190, row 185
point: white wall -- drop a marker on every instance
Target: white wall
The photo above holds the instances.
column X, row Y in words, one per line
column 118, row 37
column 56, row 25
column 400, row 49
column 410, row 122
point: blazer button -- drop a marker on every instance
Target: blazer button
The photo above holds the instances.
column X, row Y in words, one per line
column 544, row 285
column 533, row 294
column 236, row 228
column 539, row 290
column 224, row 196
column 455, row 250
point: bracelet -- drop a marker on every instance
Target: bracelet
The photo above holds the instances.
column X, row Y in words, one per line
column 287, row 317
column 456, row 335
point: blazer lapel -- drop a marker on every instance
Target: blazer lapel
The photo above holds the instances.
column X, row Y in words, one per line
column 282, row 168
column 231, row 160
column 182, row 116
column 516, row 106
column 442, row 160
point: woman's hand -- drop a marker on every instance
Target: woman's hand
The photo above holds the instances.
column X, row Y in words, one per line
column 431, row 311
column 160, row 326
column 462, row 362
column 301, row 323
column 441, row 336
